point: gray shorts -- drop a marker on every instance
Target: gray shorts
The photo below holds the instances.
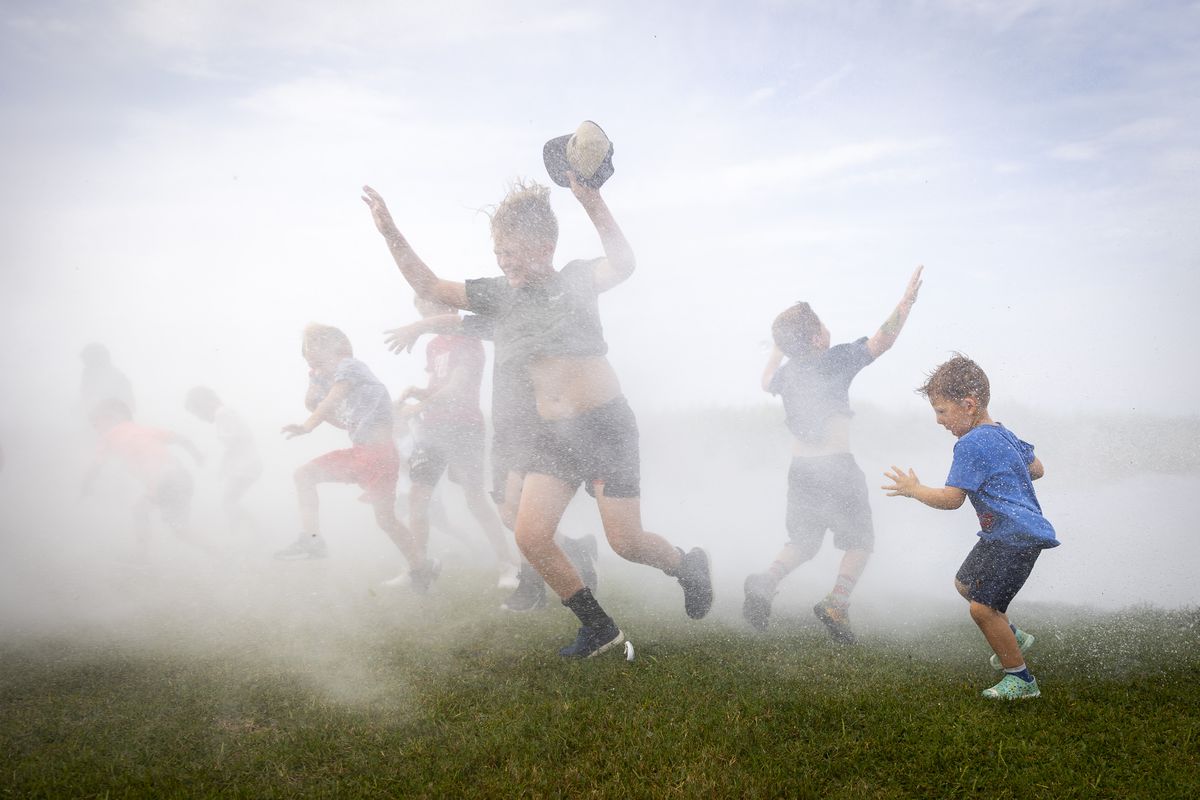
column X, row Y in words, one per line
column 598, row 446
column 829, row 493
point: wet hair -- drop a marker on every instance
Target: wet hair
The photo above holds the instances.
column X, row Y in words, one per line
column 326, row 339
column 201, row 401
column 794, row 329
column 525, row 213
column 958, row 379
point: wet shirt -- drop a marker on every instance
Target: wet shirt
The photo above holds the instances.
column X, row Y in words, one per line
column 816, row 387
column 445, row 355
column 559, row 316
column 514, row 408
column 367, row 408
column 992, row 466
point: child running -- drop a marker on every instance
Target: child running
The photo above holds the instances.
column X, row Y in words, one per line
column 826, row 489
column 241, row 466
column 996, row 471
column 145, row 453
column 548, row 329
column 343, row 392
column 449, row 436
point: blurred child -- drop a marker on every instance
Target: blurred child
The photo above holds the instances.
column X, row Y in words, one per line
column 343, row 392
column 996, row 471
column 826, row 489
column 449, row 436
column 241, row 466
column 145, row 453
column 547, row 326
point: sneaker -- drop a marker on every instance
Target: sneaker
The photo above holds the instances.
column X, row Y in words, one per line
column 530, row 593
column 837, row 620
column 582, row 553
column 1024, row 641
column 401, row 580
column 509, row 577
column 1011, row 687
column 695, row 576
column 760, row 591
column 593, row 641
column 424, row 577
column 305, row 546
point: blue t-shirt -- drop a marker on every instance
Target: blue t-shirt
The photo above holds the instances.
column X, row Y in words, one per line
column 367, row 408
column 816, row 388
column 992, row 466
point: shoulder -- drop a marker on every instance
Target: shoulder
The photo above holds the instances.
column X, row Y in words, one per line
column 484, row 293
column 353, row 370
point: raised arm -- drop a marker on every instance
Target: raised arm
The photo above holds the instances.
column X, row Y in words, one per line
column 619, row 261
column 889, row 331
column 418, row 274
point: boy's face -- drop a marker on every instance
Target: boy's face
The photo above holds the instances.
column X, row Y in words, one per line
column 522, row 260
column 956, row 416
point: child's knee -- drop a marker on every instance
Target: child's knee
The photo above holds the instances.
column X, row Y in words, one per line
column 961, row 588
column 981, row 613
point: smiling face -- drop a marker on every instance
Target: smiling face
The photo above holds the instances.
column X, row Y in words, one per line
column 956, row 416
column 521, row 260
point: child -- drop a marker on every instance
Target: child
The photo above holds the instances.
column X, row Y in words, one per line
column 547, row 330
column 450, row 436
column 144, row 452
column 826, row 489
column 241, row 466
column 996, row 471
column 343, row 392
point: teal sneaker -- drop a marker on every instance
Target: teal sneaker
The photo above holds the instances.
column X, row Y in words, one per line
column 1024, row 641
column 1011, row 687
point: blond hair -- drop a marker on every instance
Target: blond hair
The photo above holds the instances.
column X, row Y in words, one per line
column 525, row 213
column 325, row 339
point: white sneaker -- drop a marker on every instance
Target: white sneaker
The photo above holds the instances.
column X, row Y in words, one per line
column 398, row 582
column 508, row 577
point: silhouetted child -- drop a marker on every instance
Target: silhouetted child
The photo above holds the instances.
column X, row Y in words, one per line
column 145, row 453
column 343, row 392
column 996, row 471
column 826, row 488
column 241, row 465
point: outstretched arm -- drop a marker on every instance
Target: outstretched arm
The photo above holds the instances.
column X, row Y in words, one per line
column 619, row 261
column 324, row 412
column 773, row 362
column 889, row 331
column 908, row 484
column 415, row 271
column 404, row 337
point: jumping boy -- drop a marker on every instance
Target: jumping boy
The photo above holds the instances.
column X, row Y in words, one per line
column 449, row 436
column 547, row 327
column 996, row 471
column 241, row 466
column 145, row 453
column 343, row 392
column 826, row 489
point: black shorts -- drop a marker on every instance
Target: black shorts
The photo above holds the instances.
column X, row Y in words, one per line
column 829, row 493
column 994, row 572
column 598, row 446
column 458, row 448
column 512, row 442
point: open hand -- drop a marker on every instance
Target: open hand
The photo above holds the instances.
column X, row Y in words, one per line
column 292, row 431
column 903, row 485
column 379, row 211
column 402, row 338
column 914, row 286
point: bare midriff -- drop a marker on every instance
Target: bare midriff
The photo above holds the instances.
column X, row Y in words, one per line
column 836, row 440
column 567, row 387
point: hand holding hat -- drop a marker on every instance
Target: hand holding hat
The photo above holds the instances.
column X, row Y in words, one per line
column 587, row 153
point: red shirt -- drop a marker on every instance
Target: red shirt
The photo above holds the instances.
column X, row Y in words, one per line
column 444, row 355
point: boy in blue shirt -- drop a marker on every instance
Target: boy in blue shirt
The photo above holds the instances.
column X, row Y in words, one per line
column 996, row 471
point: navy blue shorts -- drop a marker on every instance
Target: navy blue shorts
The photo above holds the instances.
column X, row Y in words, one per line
column 994, row 572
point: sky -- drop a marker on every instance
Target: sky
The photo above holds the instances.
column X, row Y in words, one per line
column 181, row 182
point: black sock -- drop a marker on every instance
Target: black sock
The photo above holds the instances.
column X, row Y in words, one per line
column 584, row 606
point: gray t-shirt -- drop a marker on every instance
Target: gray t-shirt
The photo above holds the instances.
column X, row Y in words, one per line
column 367, row 408
column 816, row 388
column 559, row 316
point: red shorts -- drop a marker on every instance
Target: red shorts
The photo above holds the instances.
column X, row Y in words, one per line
column 375, row 467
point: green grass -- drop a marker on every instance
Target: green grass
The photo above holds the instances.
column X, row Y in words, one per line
column 268, row 706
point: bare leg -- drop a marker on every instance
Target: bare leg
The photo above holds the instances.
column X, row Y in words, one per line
column 307, row 478
column 484, row 513
column 543, row 501
column 995, row 628
column 853, row 563
column 385, row 515
column 622, row 518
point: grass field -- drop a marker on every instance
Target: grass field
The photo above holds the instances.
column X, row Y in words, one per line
column 400, row 696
